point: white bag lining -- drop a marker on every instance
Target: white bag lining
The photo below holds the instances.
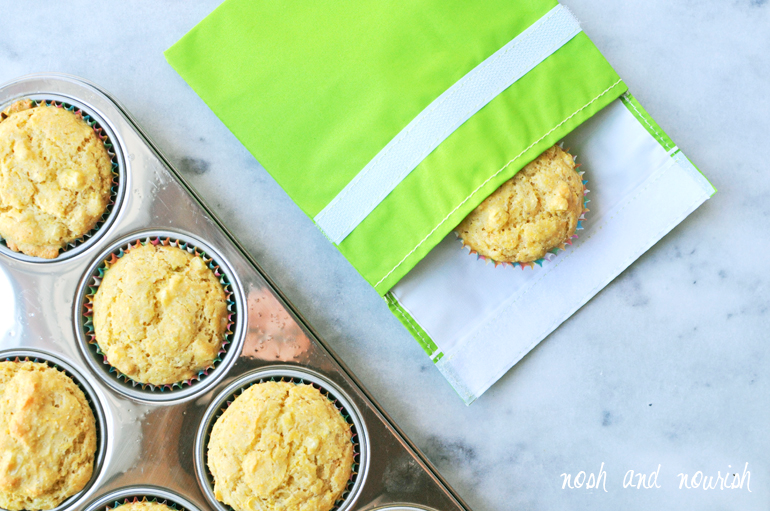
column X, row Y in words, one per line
column 485, row 319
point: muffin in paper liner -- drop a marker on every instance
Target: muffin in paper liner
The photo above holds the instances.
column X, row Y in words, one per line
column 152, row 499
column 145, row 494
column 87, row 392
column 551, row 254
column 26, row 355
column 112, row 152
column 95, row 280
column 351, row 487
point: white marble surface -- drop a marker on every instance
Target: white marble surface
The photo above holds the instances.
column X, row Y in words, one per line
column 667, row 365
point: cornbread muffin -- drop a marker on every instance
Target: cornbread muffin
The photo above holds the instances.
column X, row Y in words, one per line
column 144, row 505
column 280, row 446
column 47, row 437
column 55, row 178
column 160, row 314
column 532, row 213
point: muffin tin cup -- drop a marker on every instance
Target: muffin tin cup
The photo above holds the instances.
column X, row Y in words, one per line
column 551, row 254
column 106, row 133
column 22, row 355
column 296, row 375
column 123, row 384
column 131, row 494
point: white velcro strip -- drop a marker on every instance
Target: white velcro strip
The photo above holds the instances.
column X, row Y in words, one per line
column 441, row 118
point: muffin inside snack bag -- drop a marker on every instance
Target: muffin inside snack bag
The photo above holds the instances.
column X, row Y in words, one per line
column 396, row 129
column 531, row 215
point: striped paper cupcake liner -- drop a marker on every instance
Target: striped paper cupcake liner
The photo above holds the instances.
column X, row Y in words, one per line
column 138, row 495
column 145, row 498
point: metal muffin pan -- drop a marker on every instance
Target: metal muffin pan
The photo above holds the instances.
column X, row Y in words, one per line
column 152, row 442
column 294, row 375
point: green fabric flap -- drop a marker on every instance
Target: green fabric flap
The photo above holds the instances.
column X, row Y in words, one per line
column 316, row 90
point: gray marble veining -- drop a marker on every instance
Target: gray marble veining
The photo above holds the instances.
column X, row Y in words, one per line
column 666, row 366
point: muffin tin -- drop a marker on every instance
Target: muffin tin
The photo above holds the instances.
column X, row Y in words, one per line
column 150, row 438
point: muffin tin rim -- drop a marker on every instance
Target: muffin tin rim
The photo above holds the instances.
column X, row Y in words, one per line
column 174, row 396
column 96, row 407
column 145, row 490
column 123, row 170
column 284, row 370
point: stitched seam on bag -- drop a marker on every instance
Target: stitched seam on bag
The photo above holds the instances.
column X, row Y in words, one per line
column 403, row 134
column 390, row 187
column 425, row 344
column 644, row 118
column 492, row 177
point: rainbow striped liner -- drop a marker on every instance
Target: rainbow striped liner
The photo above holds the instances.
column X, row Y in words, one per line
column 139, row 494
column 145, row 498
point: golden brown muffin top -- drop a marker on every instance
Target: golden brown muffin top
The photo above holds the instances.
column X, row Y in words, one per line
column 280, row 446
column 55, row 178
column 532, row 213
column 160, row 314
column 47, row 437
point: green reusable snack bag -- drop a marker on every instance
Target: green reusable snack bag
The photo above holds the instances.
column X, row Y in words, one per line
column 387, row 123
column 316, row 89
